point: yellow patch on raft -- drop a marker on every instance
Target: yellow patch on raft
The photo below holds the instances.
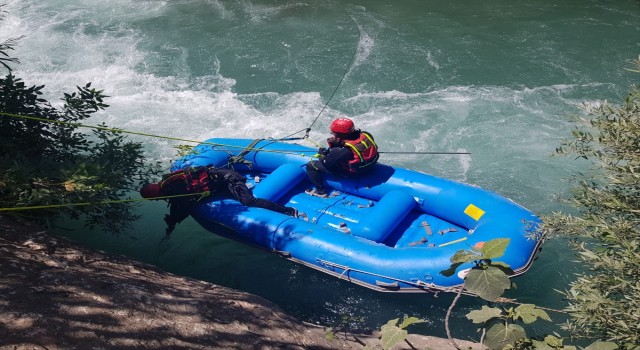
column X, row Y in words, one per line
column 474, row 212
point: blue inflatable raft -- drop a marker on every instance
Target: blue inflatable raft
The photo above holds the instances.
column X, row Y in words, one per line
column 391, row 230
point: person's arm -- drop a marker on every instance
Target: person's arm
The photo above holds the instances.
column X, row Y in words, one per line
column 213, row 173
column 336, row 157
column 179, row 207
column 334, row 142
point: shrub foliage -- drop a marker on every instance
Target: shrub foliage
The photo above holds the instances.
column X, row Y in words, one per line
column 604, row 300
column 51, row 161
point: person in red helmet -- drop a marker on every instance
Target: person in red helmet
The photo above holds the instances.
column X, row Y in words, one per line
column 200, row 180
column 350, row 152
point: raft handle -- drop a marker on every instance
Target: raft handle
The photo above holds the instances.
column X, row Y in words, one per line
column 390, row 285
column 537, row 253
column 283, row 253
column 450, row 229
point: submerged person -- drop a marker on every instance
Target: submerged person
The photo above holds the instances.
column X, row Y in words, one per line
column 200, row 180
column 351, row 152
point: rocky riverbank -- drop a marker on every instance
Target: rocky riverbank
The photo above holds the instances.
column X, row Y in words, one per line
column 55, row 294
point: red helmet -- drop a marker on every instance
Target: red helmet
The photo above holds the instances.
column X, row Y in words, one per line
column 150, row 191
column 342, row 126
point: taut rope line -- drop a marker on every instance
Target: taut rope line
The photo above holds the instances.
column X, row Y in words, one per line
column 101, row 202
column 117, row 130
column 353, row 57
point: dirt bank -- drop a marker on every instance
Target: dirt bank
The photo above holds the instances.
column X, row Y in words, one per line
column 55, row 294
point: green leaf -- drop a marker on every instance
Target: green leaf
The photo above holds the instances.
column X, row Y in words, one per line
column 409, row 321
column 529, row 313
column 540, row 345
column 488, row 284
column 484, row 314
column 391, row 334
column 465, row 256
column 390, row 323
column 451, row 270
column 602, row 345
column 505, row 268
column 495, row 248
column 500, row 264
column 499, row 335
column 329, row 334
column 553, row 341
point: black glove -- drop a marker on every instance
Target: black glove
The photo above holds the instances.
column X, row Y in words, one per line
column 171, row 225
column 323, row 151
column 213, row 173
column 333, row 142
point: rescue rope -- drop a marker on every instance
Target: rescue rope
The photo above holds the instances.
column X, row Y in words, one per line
column 353, row 57
column 123, row 131
column 201, row 194
column 244, row 148
column 240, row 157
column 393, row 152
column 427, row 287
column 103, row 128
column 308, row 129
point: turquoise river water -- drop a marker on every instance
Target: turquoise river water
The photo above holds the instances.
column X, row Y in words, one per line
column 499, row 79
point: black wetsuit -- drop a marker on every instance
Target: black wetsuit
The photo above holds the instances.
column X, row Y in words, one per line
column 335, row 160
column 222, row 182
column 332, row 161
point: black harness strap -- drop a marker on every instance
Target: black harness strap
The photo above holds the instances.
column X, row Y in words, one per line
column 240, row 157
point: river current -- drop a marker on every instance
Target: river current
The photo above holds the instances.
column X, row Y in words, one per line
column 499, row 79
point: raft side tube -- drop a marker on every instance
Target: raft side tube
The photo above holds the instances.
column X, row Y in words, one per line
column 392, row 208
column 279, row 182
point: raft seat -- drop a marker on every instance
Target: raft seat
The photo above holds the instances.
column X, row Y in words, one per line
column 392, row 208
column 279, row 182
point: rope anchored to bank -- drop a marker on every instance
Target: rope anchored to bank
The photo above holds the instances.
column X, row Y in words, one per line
column 215, row 144
column 202, row 194
column 245, row 149
column 123, row 131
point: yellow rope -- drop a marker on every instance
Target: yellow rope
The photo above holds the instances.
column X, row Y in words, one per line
column 117, row 130
column 315, row 143
column 452, row 242
column 201, row 194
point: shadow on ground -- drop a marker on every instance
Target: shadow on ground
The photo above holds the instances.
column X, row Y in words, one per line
column 55, row 294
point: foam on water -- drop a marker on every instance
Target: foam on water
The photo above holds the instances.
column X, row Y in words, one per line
column 509, row 132
column 66, row 45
